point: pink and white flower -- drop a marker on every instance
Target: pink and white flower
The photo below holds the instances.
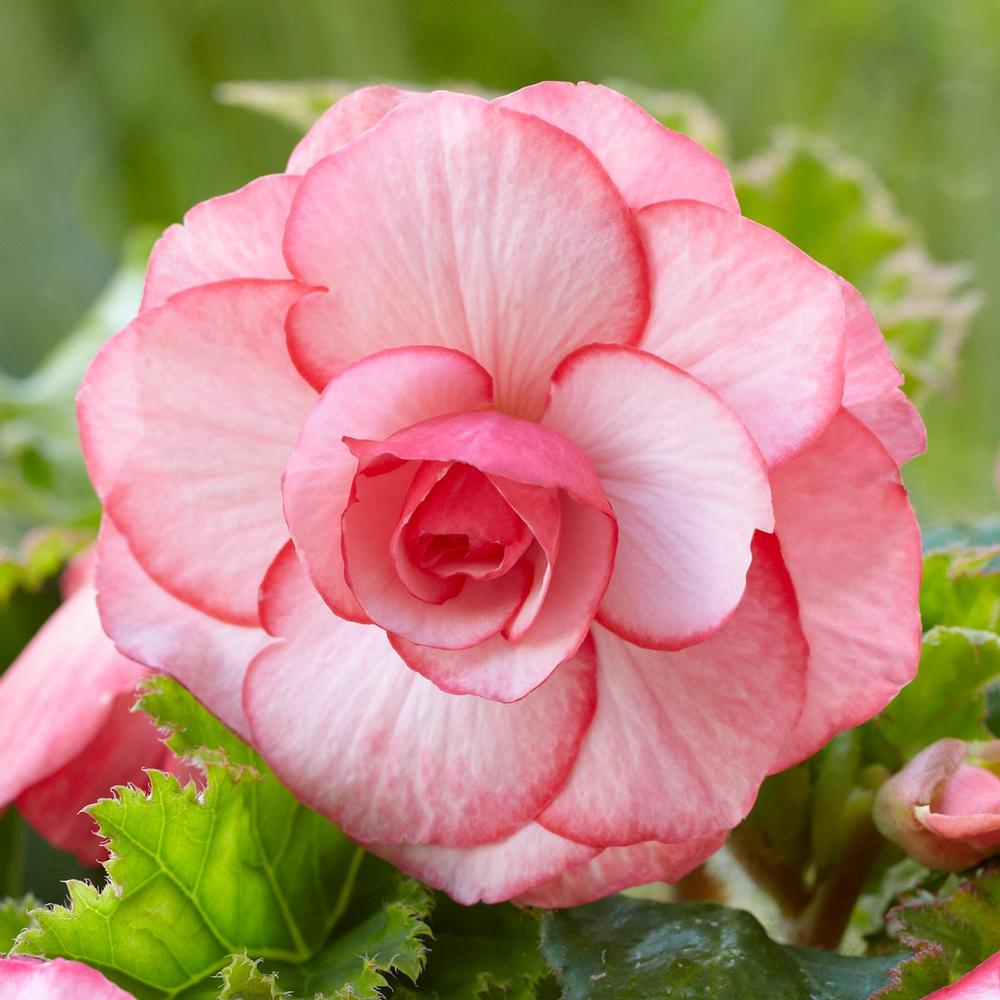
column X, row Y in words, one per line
column 68, row 734
column 523, row 503
column 35, row 979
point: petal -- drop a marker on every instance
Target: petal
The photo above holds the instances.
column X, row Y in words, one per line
column 982, row 983
column 460, row 224
column 58, row 694
column 343, row 121
column 381, row 751
column 894, row 420
column 126, row 744
column 982, row 829
column 740, row 308
column 869, row 370
column 852, row 547
column 681, row 741
column 478, row 611
column 35, row 979
column 373, row 398
column 618, row 868
column 685, row 480
column 187, row 418
column 647, row 161
column 970, row 789
column 208, row 656
column 237, row 235
column 507, row 670
column 489, row 873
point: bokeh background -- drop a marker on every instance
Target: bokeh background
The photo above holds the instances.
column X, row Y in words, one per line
column 109, row 119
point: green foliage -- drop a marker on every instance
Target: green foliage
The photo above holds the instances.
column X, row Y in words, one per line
column 948, row 935
column 237, row 867
column 948, row 696
column 14, row 918
column 962, row 587
column 630, row 949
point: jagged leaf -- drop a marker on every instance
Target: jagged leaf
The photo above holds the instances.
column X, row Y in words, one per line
column 242, row 979
column 15, row 916
column 632, row 949
column 238, row 867
column 948, row 935
column 948, row 696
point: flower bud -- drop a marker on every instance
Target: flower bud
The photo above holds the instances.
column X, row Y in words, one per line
column 981, row 983
column 943, row 808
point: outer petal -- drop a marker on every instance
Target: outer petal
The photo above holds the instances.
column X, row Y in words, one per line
column 58, row 695
column 871, row 383
column 35, row 979
column 983, row 983
column 648, row 161
column 343, row 121
column 373, row 398
column 506, row 670
column 852, row 546
column 187, row 419
column 490, row 873
column 617, row 868
column 685, row 480
column 681, row 741
column 384, row 753
column 125, row 745
column 237, row 235
column 742, row 309
column 206, row 655
column 458, row 223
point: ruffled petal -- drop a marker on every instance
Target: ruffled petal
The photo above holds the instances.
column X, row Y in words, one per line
column 373, row 398
column 208, row 656
column 618, row 868
column 490, row 873
column 681, row 741
column 236, row 235
column 740, row 308
column 894, row 420
column 461, row 224
column 188, row 417
column 345, row 120
column 647, row 161
column 852, row 547
column 35, row 979
column 686, row 482
column 381, row 751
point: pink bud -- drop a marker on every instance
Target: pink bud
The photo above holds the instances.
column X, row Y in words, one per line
column 982, row 983
column 943, row 808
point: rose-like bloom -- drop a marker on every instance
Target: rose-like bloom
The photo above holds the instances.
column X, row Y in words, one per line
column 943, row 807
column 521, row 502
column 35, row 979
column 67, row 730
column 982, row 983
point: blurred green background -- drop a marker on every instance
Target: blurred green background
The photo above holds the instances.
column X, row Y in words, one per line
column 108, row 119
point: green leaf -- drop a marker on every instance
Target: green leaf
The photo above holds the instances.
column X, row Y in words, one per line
column 632, row 949
column 15, row 916
column 237, row 868
column 948, row 935
column 948, row 697
column 962, row 587
column 242, row 979
column 481, row 953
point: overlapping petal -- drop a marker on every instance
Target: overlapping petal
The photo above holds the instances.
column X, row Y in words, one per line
column 647, row 161
column 457, row 223
column 852, row 547
column 686, row 482
column 383, row 752
column 34, row 979
column 740, row 308
column 236, row 235
column 682, row 740
column 188, row 417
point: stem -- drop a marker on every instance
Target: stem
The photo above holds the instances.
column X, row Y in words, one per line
column 11, row 854
column 779, row 879
column 700, row 885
